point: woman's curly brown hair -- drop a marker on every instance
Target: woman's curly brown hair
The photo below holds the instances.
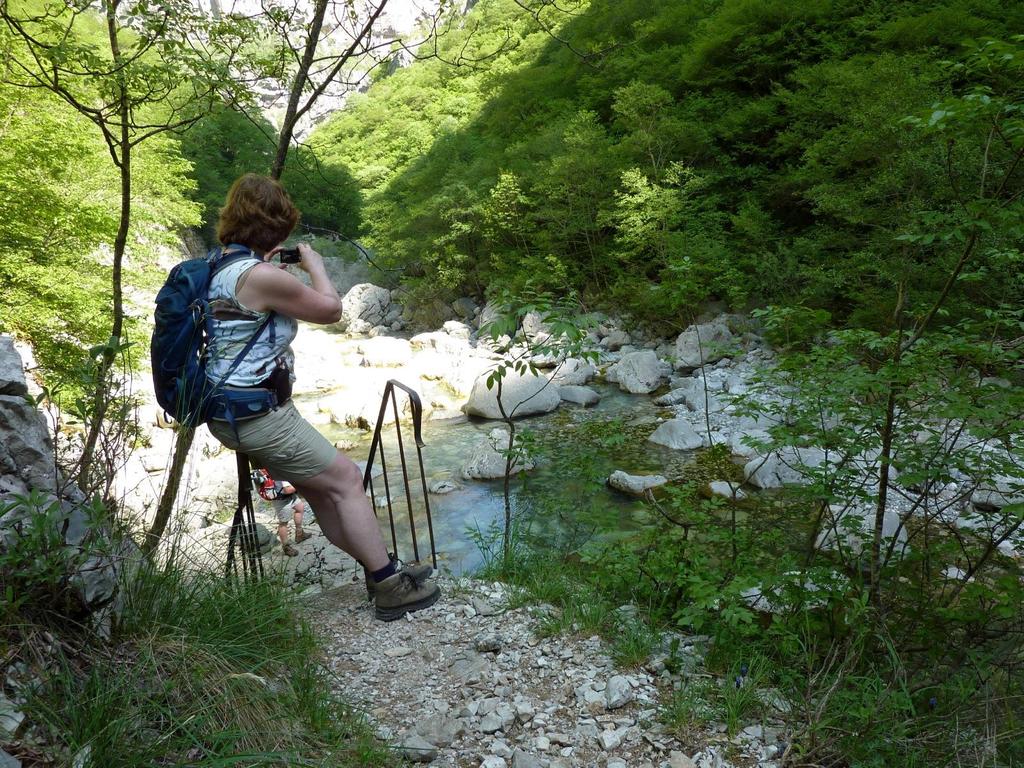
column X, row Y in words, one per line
column 257, row 213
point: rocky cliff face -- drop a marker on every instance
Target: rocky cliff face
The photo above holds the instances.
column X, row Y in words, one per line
column 395, row 37
column 39, row 509
column 26, row 453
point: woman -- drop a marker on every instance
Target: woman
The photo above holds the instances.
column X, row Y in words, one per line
column 258, row 215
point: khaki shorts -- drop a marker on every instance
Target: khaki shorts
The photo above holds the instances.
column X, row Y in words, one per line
column 282, row 441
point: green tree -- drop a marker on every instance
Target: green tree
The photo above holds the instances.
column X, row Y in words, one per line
column 142, row 76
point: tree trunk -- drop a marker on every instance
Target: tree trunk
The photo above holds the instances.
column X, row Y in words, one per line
column 106, row 362
column 298, row 86
column 182, row 444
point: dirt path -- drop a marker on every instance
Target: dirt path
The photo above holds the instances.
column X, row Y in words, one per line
column 468, row 683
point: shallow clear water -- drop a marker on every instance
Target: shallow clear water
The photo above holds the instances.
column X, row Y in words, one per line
column 577, row 448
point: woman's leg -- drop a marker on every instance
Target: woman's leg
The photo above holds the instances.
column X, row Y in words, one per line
column 344, row 513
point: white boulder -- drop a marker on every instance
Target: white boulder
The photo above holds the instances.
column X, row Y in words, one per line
column 521, row 395
column 635, row 485
column 787, row 466
column 850, row 528
column 487, row 461
column 573, row 372
column 638, row 372
column 678, row 434
column 365, row 306
column 700, row 344
column 579, row 395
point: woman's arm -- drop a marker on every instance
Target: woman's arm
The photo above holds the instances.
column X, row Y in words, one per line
column 270, row 287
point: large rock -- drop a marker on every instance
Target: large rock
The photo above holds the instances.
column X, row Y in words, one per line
column 850, row 528
column 787, row 466
column 700, row 344
column 457, row 330
column 385, row 352
column 678, row 434
column 637, row 372
column 636, row 485
column 677, row 395
column 1002, row 491
column 573, row 372
column 89, row 558
column 26, row 453
column 465, row 308
column 487, row 461
column 365, row 306
column 521, row 395
column 579, row 395
column 12, row 375
column 440, row 342
column 699, row 400
column 738, row 441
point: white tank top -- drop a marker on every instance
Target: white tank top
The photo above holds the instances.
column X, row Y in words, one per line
column 231, row 325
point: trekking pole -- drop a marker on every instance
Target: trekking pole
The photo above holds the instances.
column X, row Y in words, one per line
column 243, row 528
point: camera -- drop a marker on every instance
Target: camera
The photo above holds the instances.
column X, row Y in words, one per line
column 289, row 255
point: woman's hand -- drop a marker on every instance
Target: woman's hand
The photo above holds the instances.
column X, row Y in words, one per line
column 309, row 260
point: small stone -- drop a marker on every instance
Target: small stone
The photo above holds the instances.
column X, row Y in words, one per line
column 610, row 739
column 488, row 705
column 524, row 711
column 542, row 743
column 10, row 717
column 484, row 608
column 679, row 760
column 439, row 730
column 560, row 738
column 443, row 486
column 636, row 485
column 753, row 732
column 522, row 759
column 618, row 693
column 616, row 762
column 417, row 749
column 727, row 489
column 500, row 748
column 7, row 761
column 398, row 651
column 493, row 761
column 489, row 644
column 507, row 715
column 491, row 723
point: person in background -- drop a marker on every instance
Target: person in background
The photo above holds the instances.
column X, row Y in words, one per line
column 287, row 506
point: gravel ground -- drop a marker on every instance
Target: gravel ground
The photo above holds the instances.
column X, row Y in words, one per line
column 468, row 683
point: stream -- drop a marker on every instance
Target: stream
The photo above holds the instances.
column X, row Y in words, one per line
column 576, row 449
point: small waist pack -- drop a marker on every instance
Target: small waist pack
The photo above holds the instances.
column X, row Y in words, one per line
column 233, row 404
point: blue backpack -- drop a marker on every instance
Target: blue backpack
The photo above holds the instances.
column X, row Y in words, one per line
column 179, row 344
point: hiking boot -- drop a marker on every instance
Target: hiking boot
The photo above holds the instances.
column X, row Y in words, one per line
column 400, row 594
column 419, row 572
column 301, row 536
column 289, row 550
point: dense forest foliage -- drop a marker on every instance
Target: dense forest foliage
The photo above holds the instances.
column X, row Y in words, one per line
column 654, row 155
column 58, row 215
